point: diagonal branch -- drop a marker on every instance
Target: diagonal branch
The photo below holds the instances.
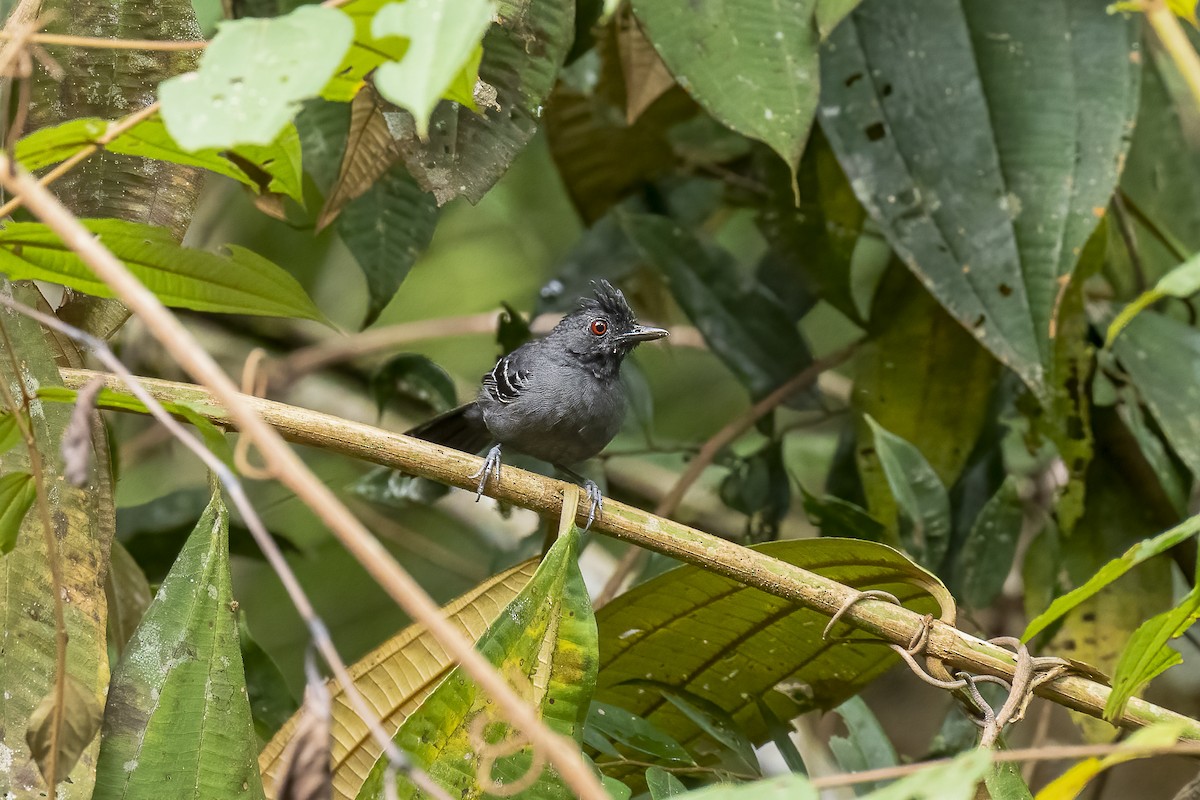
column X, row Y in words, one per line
column 545, row 495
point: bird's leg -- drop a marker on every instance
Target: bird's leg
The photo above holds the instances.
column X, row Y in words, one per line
column 490, row 469
column 595, row 497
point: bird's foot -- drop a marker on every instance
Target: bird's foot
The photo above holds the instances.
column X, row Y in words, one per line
column 595, row 502
column 490, row 469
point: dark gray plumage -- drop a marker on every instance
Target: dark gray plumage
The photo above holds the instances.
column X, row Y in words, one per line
column 559, row 399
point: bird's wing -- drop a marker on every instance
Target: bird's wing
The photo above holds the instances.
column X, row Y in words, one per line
column 507, row 379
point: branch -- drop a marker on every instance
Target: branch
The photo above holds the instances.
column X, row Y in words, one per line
column 545, row 495
column 289, row 469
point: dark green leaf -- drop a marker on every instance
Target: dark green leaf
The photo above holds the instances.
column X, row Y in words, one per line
column 663, row 784
column 253, row 76
column 717, row 723
column 744, row 325
column 603, row 251
column 392, row 489
column 17, row 493
column 128, row 594
column 836, row 517
column 270, row 701
column 633, row 731
column 323, row 126
column 990, row 223
column 781, row 735
column 183, row 663
column 987, row 554
column 416, row 379
column 386, row 228
column 923, row 501
column 866, row 747
column 759, row 487
column 241, row 283
column 512, row 330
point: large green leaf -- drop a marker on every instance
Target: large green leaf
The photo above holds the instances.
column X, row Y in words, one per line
column 745, row 325
column 274, row 167
column 545, row 644
column 987, row 553
column 386, row 228
column 1162, row 357
column 83, row 519
column 753, row 67
column 178, row 714
column 366, row 51
column 242, row 283
column 989, row 222
column 253, row 76
column 467, row 151
column 707, row 635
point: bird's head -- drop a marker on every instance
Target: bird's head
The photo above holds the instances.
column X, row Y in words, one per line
column 603, row 330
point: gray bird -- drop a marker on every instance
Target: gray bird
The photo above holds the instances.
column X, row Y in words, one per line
column 559, row 399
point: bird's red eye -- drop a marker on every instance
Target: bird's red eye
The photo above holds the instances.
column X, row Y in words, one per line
column 598, row 327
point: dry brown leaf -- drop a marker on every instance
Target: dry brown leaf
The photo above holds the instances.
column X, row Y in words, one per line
column 370, row 151
column 76, row 444
column 80, row 721
column 646, row 76
column 394, row 678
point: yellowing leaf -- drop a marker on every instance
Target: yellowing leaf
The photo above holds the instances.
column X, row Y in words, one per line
column 442, row 38
column 80, row 719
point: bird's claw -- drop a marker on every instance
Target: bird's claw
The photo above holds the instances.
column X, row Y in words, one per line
column 490, row 469
column 595, row 502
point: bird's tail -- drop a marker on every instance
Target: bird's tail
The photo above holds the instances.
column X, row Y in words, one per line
column 461, row 428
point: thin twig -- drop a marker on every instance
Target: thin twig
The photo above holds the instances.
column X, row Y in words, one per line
column 237, row 493
column 101, row 42
column 713, row 447
column 290, row 470
column 894, row 624
column 1130, row 240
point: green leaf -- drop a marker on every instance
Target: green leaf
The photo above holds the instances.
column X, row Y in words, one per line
column 759, row 487
column 253, row 76
column 987, row 553
column 467, row 152
column 744, row 325
column 788, row 787
column 615, row 789
column 183, row 667
column 271, row 704
column 953, row 781
column 697, row 632
column 10, row 431
column 718, row 724
column 441, row 43
column 633, row 731
column 831, row 12
column 414, row 378
column 867, row 746
column 1140, row 744
column 241, row 283
column 1148, row 654
column 366, row 52
column 836, row 517
column 274, row 167
column 1162, row 357
column 1181, row 282
column 545, row 643
column 990, row 223
column 17, row 493
column 386, row 229
column 663, row 784
column 128, row 594
column 770, row 46
column 1004, row 782
column 923, row 500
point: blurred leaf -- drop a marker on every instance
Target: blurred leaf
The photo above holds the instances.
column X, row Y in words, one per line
column 771, row 47
column 759, row 487
column 987, row 553
column 10, row 431
column 1004, row 782
column 602, row 251
column 633, row 731
column 274, row 167
column 323, row 126
column 386, row 229
column 787, row 787
column 17, row 493
column 366, row 51
column 395, row 678
column 512, row 330
column 836, row 517
column 271, row 704
column 183, row 663
column 416, row 379
column 241, row 283
column 1181, row 282
column 866, row 747
column 80, row 720
column 83, row 529
column 545, row 645
column 129, row 596
column 1154, row 451
column 831, row 12
column 615, row 789
column 745, row 326
column 923, row 501
column 645, row 75
column 717, row 723
column 663, row 784
column 467, row 151
column 990, row 224
column 956, row 780
column 924, row 379
column 1148, row 653
column 721, row 641
column 393, row 489
column 781, row 734
column 370, row 150
column 440, row 45
column 1162, row 357
column 253, row 76
column 1069, row 785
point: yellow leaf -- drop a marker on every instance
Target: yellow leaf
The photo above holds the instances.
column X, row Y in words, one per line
column 1143, row 743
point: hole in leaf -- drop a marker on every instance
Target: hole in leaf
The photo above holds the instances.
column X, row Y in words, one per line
column 1005, row 289
column 886, row 91
column 853, row 79
column 875, row 132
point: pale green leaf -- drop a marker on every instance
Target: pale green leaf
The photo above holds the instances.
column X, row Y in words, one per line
column 253, row 76
column 442, row 39
column 1148, row 655
column 178, row 713
column 1181, row 282
column 10, row 432
column 663, row 784
column 953, row 781
column 17, row 493
column 867, row 745
column 241, row 283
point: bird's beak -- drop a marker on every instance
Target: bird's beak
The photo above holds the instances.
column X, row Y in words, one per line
column 641, row 333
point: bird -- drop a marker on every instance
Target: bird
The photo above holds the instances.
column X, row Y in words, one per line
column 559, row 399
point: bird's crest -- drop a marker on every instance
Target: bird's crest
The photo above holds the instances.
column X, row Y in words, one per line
column 610, row 301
